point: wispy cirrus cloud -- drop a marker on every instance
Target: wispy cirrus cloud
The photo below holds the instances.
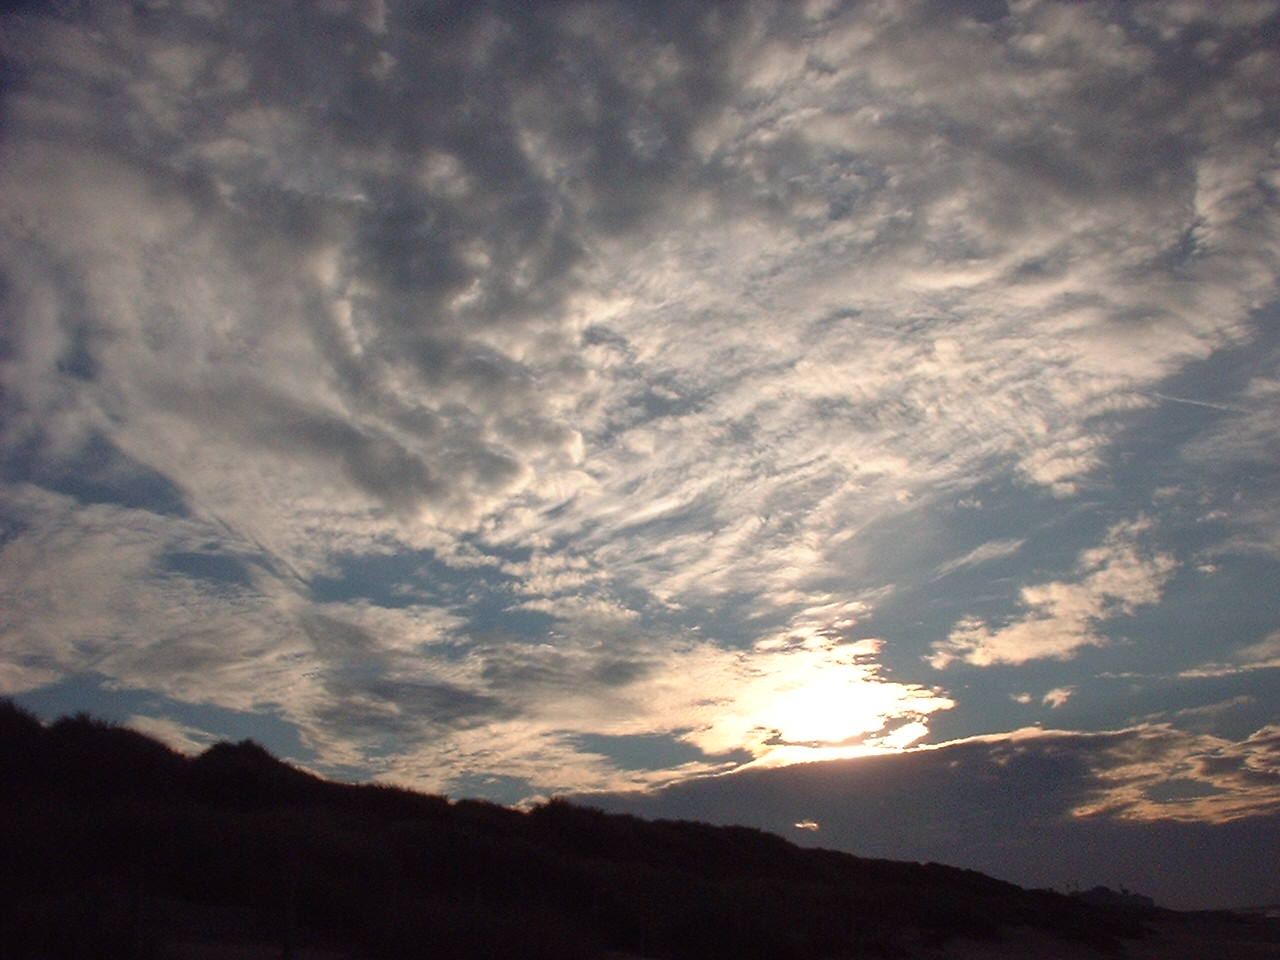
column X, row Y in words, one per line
column 994, row 550
column 1264, row 655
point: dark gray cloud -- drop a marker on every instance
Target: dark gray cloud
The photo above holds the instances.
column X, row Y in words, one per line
column 523, row 669
column 394, row 713
column 444, row 164
column 368, row 694
column 1037, row 808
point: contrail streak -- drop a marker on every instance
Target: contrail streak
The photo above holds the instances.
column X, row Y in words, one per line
column 1198, row 403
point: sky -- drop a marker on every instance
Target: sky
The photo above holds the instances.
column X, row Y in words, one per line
column 854, row 419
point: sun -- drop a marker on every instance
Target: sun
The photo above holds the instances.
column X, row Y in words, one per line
column 828, row 703
column 825, row 710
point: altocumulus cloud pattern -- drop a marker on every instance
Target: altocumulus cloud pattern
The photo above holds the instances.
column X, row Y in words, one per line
column 509, row 398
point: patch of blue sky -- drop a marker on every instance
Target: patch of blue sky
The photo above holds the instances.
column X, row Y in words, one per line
column 930, row 599
column 98, row 473
column 483, row 595
column 649, row 751
column 1053, row 532
column 498, row 621
column 393, row 580
column 1202, row 616
column 495, row 787
column 1233, row 707
column 1123, row 683
column 218, row 568
column 10, row 527
column 1175, row 791
column 92, row 694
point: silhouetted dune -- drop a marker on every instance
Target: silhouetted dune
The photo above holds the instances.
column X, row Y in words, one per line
column 245, row 775
column 117, row 846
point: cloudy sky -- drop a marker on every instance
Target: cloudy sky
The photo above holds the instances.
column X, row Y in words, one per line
column 519, row 399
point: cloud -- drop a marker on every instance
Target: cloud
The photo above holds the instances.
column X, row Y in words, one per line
column 872, row 407
column 994, row 550
column 432, row 306
column 1264, row 655
column 1057, row 697
column 768, row 706
column 1212, row 717
column 1230, row 780
column 657, row 344
column 179, row 736
column 85, row 587
column 395, row 687
column 1115, row 579
column 1039, row 807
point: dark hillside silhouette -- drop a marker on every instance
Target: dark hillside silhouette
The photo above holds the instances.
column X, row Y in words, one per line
column 116, row 846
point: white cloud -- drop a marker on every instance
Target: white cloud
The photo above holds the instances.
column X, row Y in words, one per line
column 87, row 590
column 651, row 318
column 1057, row 697
column 179, row 736
column 1114, row 579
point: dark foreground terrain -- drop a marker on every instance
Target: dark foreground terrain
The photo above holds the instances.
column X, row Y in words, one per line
column 116, row 846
